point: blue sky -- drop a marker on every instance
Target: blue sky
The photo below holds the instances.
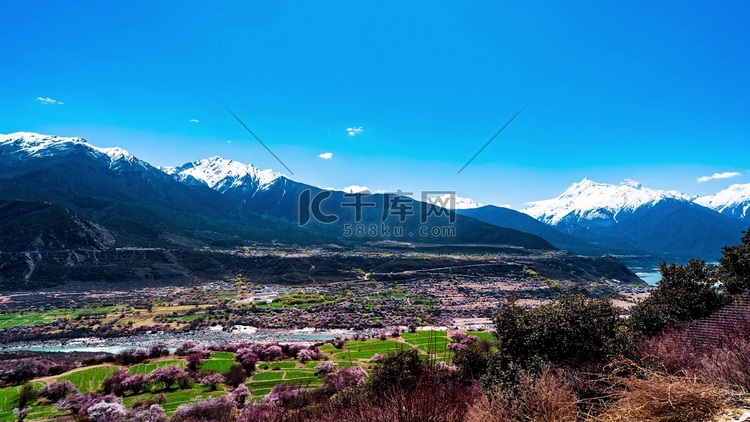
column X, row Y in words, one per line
column 657, row 92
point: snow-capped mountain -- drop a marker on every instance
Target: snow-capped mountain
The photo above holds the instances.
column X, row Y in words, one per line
column 456, row 202
column 221, row 174
column 630, row 218
column 589, row 200
column 20, row 145
column 733, row 201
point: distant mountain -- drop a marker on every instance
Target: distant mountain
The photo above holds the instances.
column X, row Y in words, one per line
column 454, row 202
column 733, row 201
column 512, row 219
column 590, row 203
column 223, row 175
column 629, row 218
column 265, row 192
column 138, row 203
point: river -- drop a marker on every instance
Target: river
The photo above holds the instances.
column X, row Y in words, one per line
column 175, row 339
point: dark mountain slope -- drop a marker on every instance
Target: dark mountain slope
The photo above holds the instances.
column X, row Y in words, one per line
column 505, row 217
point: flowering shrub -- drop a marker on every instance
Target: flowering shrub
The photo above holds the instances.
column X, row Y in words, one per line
column 154, row 413
column 80, row 403
column 235, row 375
column 168, row 375
column 306, row 354
column 212, row 381
column 221, row 409
column 454, row 347
column 283, row 394
column 106, row 411
column 442, row 366
column 247, row 358
column 325, row 367
column 113, row 383
column 457, row 336
column 470, row 340
column 194, row 361
column 55, row 391
column 382, row 336
column 273, row 352
column 395, row 332
column 158, row 351
column 338, row 343
column 135, row 383
column 131, row 356
column 182, row 350
column 241, row 394
column 261, row 412
column 412, row 327
column 121, row 381
column 199, row 350
column 345, row 378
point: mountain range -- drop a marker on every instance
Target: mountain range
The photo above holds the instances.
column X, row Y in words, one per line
column 59, row 193
column 212, row 202
column 632, row 219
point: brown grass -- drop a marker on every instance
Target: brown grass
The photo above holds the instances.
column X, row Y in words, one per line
column 545, row 399
column 665, row 398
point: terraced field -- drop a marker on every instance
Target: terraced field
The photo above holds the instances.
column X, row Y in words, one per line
column 89, row 379
column 268, row 374
column 147, row 368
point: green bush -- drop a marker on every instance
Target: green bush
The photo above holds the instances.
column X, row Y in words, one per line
column 575, row 329
column 734, row 266
column 685, row 292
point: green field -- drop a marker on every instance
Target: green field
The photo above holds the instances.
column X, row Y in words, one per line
column 217, row 365
column 147, row 368
column 174, row 397
column 482, row 335
column 222, row 355
column 89, row 379
column 8, row 400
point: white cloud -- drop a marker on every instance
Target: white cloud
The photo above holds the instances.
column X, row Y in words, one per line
column 354, row 131
column 725, row 175
column 356, row 189
column 194, row 121
column 48, row 100
column 326, row 155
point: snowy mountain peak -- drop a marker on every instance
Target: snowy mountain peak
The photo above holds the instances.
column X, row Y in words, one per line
column 221, row 174
column 39, row 145
column 457, row 202
column 734, row 200
column 589, row 200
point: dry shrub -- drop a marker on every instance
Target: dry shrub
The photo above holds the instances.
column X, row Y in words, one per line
column 665, row 398
column 668, row 352
column 544, row 399
column 431, row 399
column 728, row 365
column 687, row 351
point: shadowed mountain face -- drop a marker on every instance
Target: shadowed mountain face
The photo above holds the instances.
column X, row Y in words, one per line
column 505, row 217
column 29, row 226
